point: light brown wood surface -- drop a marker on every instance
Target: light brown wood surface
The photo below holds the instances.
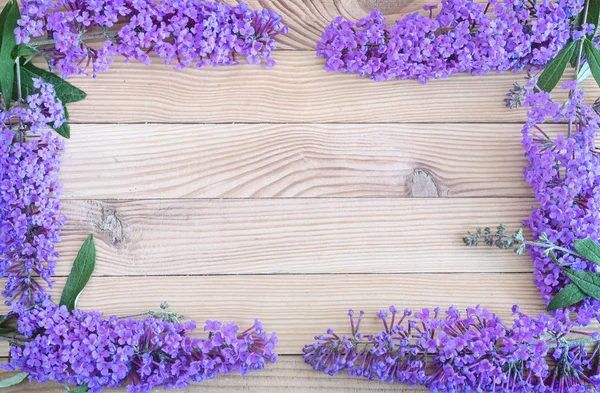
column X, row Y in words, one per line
column 292, row 194
column 293, row 161
column 296, row 90
column 290, row 236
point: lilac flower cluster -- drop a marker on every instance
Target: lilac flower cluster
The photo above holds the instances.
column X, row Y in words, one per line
column 475, row 352
column 40, row 109
column 180, row 31
column 30, row 220
column 564, row 172
column 84, row 348
column 465, row 36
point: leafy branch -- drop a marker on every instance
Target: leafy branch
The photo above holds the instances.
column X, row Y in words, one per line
column 583, row 284
column 17, row 73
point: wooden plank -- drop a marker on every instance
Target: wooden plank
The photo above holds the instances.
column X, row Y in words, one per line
column 289, row 374
column 298, row 89
column 299, row 306
column 166, row 237
column 261, row 161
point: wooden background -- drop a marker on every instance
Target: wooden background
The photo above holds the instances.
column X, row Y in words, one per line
column 292, row 194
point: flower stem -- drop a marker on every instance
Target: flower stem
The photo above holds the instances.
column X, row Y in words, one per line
column 580, row 47
column 13, row 340
column 551, row 246
column 584, row 341
column 19, row 91
column 82, row 38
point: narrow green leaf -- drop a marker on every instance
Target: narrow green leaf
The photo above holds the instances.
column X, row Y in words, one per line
column 8, row 22
column 589, row 283
column 593, row 14
column 576, row 23
column 4, row 331
column 584, row 73
column 593, row 56
column 65, row 91
column 588, row 249
column 553, row 257
column 568, row 296
column 82, row 270
column 14, row 380
column 556, row 68
column 578, row 19
column 23, row 51
column 80, row 389
column 65, row 129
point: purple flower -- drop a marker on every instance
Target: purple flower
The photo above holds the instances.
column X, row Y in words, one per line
column 30, row 218
column 474, row 352
column 183, row 32
column 465, row 36
column 564, row 173
column 68, row 348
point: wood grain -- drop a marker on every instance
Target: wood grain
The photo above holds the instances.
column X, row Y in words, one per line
column 293, row 160
column 299, row 306
column 289, row 374
column 298, row 90
column 270, row 236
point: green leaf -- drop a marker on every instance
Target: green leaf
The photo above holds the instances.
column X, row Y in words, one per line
column 556, row 68
column 589, row 283
column 568, row 296
column 553, row 257
column 584, row 73
column 593, row 56
column 23, row 51
column 8, row 22
column 80, row 389
column 576, row 23
column 82, row 270
column 65, row 129
column 65, row 91
column 4, row 331
column 593, row 14
column 588, row 249
column 14, row 380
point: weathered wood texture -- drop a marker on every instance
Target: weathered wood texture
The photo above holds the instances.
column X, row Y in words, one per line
column 293, row 160
column 296, row 90
column 267, row 236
